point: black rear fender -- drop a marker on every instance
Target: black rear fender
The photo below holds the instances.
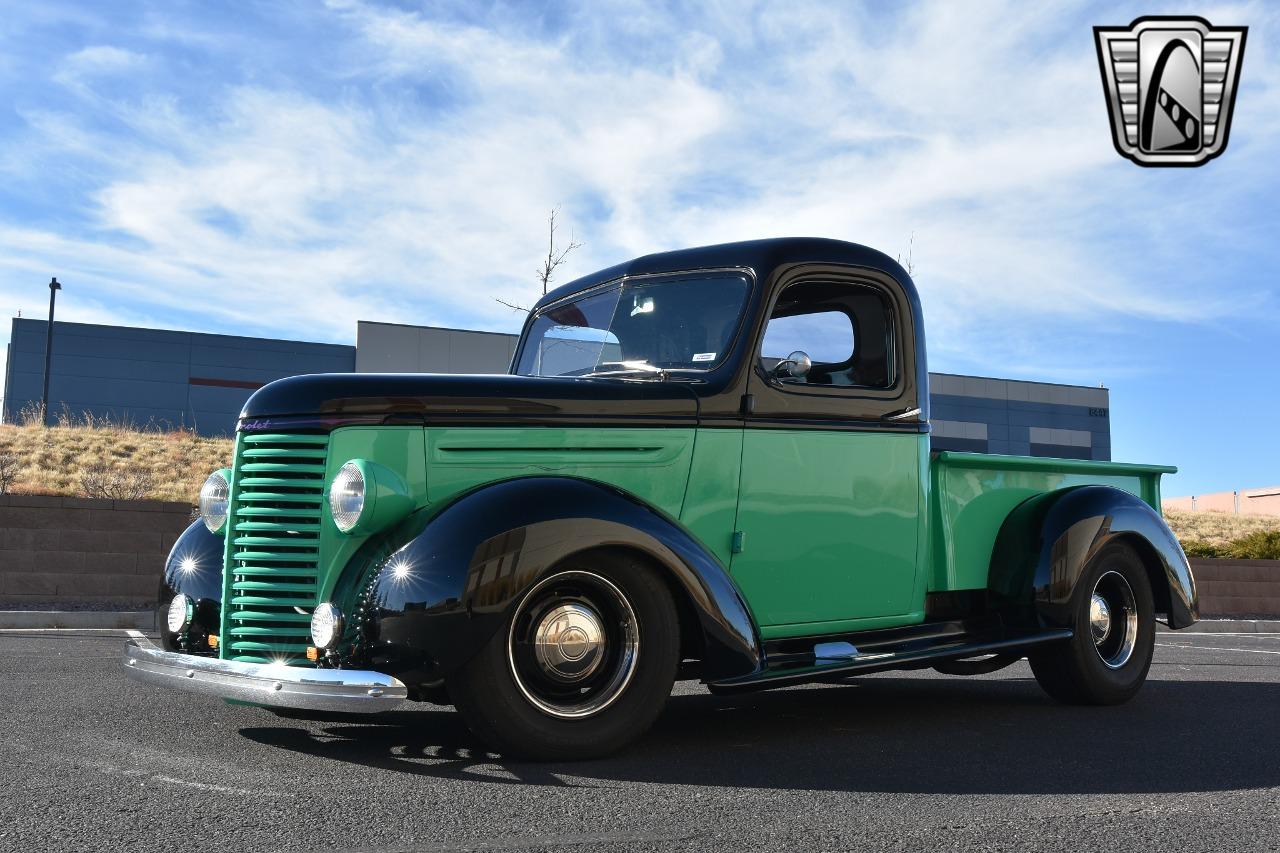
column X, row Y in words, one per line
column 1046, row 542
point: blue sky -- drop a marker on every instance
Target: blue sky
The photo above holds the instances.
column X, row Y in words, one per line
column 284, row 168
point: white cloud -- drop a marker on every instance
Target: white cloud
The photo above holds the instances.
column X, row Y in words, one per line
column 415, row 188
column 97, row 60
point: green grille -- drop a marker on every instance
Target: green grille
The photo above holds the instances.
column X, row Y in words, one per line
column 272, row 575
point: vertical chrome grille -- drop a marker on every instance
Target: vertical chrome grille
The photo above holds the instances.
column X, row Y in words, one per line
column 273, row 550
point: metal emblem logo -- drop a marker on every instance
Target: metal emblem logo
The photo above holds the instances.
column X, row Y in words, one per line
column 1170, row 85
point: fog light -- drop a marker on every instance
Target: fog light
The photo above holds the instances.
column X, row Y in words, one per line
column 326, row 626
column 179, row 613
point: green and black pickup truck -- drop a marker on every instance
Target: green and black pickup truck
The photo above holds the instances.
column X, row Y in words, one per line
column 666, row 486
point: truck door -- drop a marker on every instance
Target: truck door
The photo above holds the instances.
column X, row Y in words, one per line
column 833, row 460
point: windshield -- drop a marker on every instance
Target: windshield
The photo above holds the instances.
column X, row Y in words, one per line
column 643, row 327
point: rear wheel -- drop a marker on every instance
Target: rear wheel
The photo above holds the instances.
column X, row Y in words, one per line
column 582, row 667
column 1113, row 616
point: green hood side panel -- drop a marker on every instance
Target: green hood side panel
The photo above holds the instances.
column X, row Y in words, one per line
column 652, row 464
column 440, row 462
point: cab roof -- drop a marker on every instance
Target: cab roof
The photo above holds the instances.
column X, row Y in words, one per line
column 760, row 256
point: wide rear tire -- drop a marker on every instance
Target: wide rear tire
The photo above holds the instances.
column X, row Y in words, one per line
column 582, row 667
column 1113, row 616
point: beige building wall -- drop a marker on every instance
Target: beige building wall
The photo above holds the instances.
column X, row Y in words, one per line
column 1239, row 502
column 394, row 348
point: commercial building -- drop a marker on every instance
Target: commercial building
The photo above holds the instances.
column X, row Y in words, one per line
column 168, row 378
column 153, row 376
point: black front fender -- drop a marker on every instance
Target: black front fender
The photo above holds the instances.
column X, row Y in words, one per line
column 194, row 568
column 1046, row 542
column 454, row 575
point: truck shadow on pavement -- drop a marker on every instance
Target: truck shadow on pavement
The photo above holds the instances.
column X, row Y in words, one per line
column 902, row 735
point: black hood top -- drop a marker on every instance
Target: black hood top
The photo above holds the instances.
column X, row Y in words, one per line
column 334, row 399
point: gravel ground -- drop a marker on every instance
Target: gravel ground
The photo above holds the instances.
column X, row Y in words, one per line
column 94, row 761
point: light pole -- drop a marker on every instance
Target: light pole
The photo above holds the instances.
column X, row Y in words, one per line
column 54, row 287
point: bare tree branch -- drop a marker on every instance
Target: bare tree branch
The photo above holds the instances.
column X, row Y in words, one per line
column 555, row 257
column 908, row 262
column 514, row 306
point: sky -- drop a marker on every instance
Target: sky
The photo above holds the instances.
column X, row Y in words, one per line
column 285, row 168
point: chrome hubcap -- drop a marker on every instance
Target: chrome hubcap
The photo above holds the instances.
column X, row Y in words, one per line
column 1099, row 618
column 574, row 644
column 569, row 642
column 1113, row 619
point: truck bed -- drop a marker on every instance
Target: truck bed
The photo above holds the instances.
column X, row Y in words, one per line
column 973, row 493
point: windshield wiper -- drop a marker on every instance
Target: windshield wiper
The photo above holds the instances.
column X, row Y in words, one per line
column 630, row 367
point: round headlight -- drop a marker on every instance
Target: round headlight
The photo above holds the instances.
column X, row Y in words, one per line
column 326, row 626
column 346, row 497
column 215, row 494
column 179, row 613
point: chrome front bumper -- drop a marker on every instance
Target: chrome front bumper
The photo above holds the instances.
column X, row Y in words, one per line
column 273, row 685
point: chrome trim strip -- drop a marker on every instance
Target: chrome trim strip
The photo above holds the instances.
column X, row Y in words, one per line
column 273, row 685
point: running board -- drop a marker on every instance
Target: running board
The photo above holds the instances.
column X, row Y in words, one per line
column 831, row 662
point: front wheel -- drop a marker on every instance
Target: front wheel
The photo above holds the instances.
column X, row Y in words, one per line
column 583, row 666
column 1113, row 616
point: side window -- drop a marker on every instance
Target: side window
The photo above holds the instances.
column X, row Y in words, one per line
column 846, row 330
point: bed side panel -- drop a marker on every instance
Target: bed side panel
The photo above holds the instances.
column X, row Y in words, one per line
column 973, row 494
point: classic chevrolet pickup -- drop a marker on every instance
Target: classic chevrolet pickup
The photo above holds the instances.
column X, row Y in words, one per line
column 667, row 486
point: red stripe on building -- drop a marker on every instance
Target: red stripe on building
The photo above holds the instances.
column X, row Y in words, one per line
column 225, row 383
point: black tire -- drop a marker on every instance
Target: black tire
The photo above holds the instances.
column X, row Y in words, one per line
column 1093, row 670
column 514, row 696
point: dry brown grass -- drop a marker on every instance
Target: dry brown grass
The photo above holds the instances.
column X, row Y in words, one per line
column 62, row 460
column 1217, row 528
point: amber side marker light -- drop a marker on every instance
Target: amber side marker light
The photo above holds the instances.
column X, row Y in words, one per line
column 313, row 654
column 213, row 641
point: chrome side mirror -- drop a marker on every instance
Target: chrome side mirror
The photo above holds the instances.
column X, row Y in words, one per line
column 797, row 365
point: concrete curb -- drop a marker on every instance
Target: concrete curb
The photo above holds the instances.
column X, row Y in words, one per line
column 140, row 620
column 1231, row 626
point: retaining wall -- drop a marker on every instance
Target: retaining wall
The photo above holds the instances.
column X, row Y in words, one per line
column 1237, row 587
column 85, row 551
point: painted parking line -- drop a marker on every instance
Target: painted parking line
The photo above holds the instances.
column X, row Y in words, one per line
column 66, row 631
column 1219, row 649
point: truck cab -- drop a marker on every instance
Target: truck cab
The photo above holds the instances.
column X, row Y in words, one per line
column 713, row 463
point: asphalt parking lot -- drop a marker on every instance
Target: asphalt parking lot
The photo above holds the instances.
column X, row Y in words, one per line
column 94, row 761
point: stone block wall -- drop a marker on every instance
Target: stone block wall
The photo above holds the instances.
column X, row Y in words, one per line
column 1237, row 588
column 62, row 551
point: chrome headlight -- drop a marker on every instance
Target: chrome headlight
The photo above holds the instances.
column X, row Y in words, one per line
column 326, row 626
column 179, row 616
column 346, row 497
column 365, row 498
column 215, row 496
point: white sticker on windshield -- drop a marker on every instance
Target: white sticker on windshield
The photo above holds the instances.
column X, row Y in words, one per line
column 704, row 356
